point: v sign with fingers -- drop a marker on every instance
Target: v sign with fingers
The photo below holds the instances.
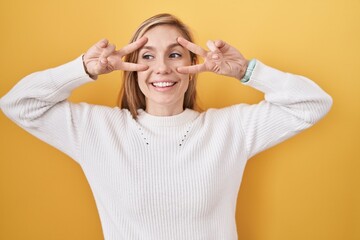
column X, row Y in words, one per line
column 221, row 59
column 102, row 58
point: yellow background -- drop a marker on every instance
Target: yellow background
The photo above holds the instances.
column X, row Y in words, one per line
column 304, row 189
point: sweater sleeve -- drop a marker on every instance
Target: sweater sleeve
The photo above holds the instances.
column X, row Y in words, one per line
column 38, row 104
column 292, row 103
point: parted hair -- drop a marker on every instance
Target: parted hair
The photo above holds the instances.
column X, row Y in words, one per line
column 130, row 96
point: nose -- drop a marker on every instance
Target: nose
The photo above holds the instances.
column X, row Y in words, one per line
column 162, row 67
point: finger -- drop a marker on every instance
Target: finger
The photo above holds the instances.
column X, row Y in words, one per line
column 131, row 67
column 102, row 43
column 108, row 51
column 101, row 66
column 191, row 47
column 103, row 62
column 193, row 69
column 211, row 45
column 220, row 44
column 132, row 46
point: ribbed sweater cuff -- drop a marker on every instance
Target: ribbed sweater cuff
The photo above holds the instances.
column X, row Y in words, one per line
column 265, row 78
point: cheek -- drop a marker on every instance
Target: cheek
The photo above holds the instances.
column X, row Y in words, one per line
column 185, row 61
column 142, row 77
column 184, row 78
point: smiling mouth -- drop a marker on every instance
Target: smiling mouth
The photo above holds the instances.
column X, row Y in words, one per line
column 163, row 84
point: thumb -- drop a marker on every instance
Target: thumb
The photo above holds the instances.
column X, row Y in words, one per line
column 103, row 62
column 220, row 43
column 101, row 66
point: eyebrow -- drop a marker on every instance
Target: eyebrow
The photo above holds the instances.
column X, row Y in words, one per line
column 168, row 47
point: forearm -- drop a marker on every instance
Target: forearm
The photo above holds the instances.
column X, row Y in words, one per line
column 38, row 104
column 292, row 104
column 293, row 93
column 36, row 93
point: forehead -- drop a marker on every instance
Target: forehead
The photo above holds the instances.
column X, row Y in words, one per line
column 163, row 34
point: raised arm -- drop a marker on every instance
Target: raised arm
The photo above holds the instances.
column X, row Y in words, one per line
column 292, row 103
column 38, row 102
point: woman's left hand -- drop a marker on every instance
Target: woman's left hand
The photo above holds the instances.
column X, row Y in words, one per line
column 221, row 59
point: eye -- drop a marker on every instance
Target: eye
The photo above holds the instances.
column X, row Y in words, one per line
column 175, row 55
column 147, row 56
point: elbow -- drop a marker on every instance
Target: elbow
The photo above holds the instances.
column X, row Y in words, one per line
column 8, row 107
column 20, row 111
column 4, row 105
column 319, row 108
column 328, row 102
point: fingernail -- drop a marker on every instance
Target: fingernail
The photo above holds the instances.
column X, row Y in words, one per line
column 215, row 56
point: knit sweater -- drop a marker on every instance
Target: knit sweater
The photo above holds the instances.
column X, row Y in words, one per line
column 162, row 178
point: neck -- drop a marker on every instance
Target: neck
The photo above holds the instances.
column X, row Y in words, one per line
column 163, row 110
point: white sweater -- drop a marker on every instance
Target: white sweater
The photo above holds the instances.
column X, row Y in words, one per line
column 164, row 178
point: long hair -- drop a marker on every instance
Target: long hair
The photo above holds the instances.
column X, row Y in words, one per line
column 130, row 96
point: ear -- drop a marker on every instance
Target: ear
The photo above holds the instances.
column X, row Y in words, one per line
column 194, row 59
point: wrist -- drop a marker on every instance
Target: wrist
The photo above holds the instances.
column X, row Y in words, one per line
column 86, row 71
column 243, row 70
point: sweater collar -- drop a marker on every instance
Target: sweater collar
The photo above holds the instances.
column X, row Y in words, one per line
column 182, row 118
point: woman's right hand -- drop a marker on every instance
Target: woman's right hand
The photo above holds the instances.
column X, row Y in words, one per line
column 103, row 58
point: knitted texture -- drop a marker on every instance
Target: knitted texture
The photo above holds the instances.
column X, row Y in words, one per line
column 164, row 178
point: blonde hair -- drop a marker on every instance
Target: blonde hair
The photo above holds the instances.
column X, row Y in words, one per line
column 130, row 96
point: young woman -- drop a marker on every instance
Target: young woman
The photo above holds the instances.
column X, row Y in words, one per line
column 159, row 169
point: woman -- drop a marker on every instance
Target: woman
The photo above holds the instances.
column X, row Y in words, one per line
column 159, row 169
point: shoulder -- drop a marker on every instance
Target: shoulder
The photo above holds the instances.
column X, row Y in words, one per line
column 226, row 112
column 101, row 115
column 223, row 117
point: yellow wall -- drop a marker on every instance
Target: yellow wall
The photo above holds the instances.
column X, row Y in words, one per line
column 307, row 188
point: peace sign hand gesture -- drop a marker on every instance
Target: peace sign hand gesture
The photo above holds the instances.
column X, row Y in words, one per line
column 221, row 59
column 102, row 58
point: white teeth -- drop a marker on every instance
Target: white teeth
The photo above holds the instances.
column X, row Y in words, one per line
column 163, row 84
